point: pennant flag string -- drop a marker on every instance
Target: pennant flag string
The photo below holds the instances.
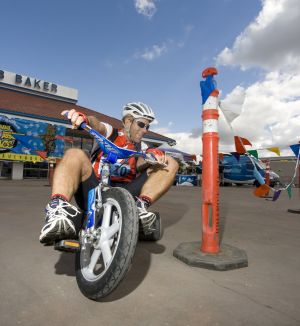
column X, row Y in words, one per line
column 240, row 143
column 277, row 192
column 228, row 114
column 289, row 191
column 253, row 153
column 262, row 190
column 231, row 115
column 295, row 149
column 275, row 150
column 276, row 195
column 258, row 176
column 289, row 186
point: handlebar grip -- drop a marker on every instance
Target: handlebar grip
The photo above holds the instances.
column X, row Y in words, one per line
column 82, row 125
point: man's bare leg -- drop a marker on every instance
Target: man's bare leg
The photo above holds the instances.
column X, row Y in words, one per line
column 160, row 181
column 75, row 167
column 61, row 216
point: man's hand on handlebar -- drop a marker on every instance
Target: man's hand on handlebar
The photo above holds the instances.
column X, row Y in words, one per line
column 156, row 157
column 76, row 118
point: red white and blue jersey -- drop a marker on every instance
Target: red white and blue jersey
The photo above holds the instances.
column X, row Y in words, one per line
column 124, row 170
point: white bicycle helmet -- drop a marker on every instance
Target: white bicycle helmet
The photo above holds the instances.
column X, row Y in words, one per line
column 138, row 110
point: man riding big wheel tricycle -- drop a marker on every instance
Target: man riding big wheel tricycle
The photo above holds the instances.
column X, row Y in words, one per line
column 114, row 187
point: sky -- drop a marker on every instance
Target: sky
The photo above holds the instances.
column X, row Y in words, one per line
column 154, row 51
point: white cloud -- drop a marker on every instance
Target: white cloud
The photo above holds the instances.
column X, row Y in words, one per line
column 169, row 45
column 271, row 111
column 153, row 53
column 145, row 7
column 185, row 143
column 271, row 41
column 187, row 31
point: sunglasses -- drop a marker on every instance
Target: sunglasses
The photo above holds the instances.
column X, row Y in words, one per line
column 143, row 125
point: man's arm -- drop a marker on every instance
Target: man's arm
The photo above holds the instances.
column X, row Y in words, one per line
column 77, row 118
column 98, row 125
column 141, row 165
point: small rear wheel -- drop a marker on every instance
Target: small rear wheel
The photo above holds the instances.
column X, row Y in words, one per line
column 100, row 266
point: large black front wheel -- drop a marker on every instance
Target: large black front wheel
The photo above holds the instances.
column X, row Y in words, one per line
column 102, row 264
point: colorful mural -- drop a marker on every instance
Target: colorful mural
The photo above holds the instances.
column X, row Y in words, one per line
column 28, row 140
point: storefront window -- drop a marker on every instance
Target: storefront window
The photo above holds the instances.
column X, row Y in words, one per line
column 79, row 139
column 35, row 170
column 68, row 145
column 87, row 145
column 5, row 169
column 76, row 142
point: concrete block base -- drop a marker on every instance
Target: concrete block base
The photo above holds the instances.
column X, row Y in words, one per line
column 228, row 258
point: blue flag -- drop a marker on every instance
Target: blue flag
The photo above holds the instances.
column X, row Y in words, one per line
column 207, row 87
column 258, row 176
column 295, row 149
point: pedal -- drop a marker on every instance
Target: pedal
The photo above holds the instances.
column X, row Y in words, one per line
column 67, row 245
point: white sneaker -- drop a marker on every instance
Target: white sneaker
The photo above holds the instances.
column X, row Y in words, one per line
column 58, row 222
column 146, row 218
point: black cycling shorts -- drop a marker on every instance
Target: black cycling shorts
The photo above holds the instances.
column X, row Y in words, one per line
column 134, row 187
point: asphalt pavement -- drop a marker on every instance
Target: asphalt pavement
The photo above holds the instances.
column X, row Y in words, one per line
column 38, row 284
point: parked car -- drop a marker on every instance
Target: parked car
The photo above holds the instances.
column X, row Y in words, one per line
column 241, row 171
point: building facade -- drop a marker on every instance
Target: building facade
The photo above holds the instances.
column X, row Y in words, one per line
column 34, row 135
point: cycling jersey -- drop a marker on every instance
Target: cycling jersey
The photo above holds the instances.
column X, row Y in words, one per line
column 124, row 170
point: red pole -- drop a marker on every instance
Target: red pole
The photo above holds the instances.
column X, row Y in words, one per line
column 210, row 171
column 210, row 255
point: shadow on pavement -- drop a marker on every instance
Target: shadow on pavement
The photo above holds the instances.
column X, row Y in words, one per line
column 134, row 277
column 171, row 213
column 138, row 271
column 142, row 258
column 65, row 264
